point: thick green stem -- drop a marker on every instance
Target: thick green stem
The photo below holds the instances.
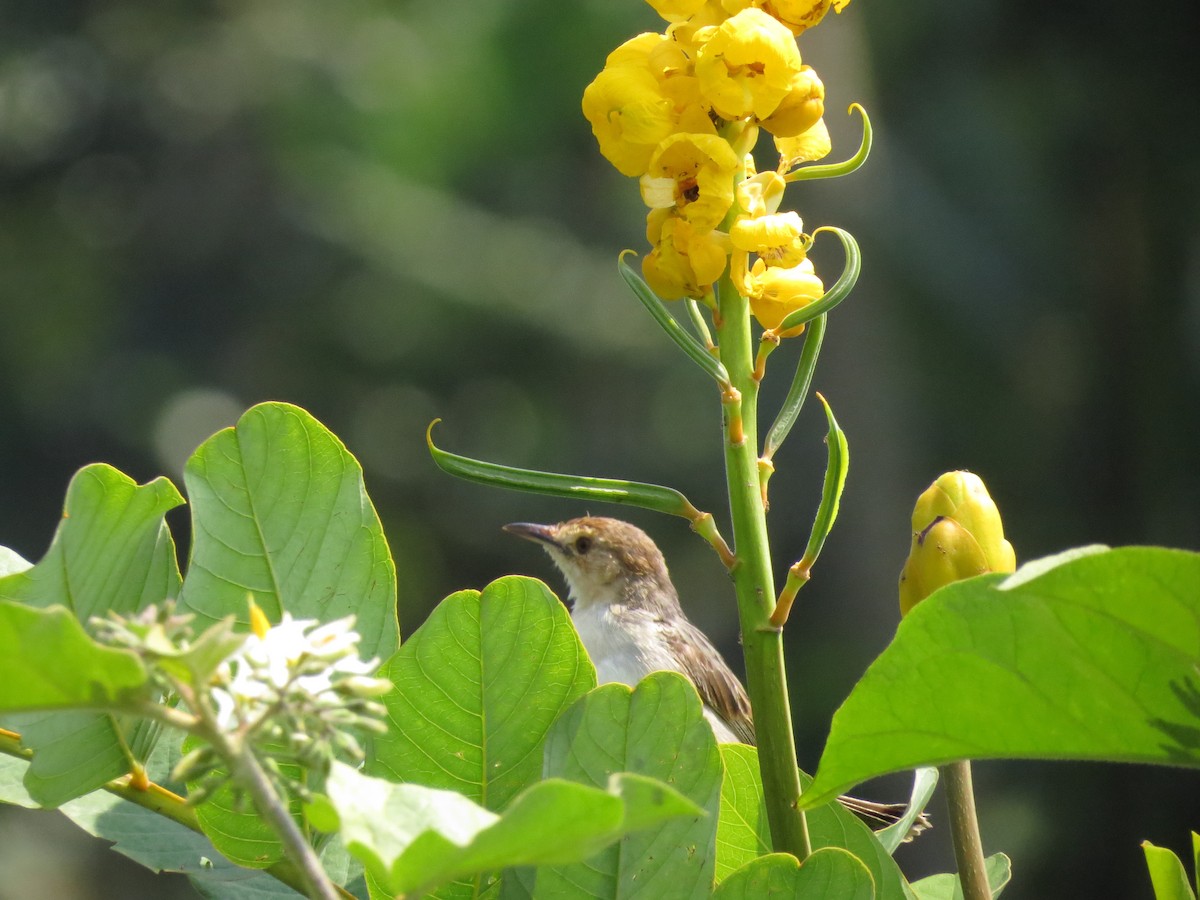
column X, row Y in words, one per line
column 964, row 830
column 762, row 644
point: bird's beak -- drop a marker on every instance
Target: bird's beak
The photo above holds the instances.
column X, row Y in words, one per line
column 543, row 534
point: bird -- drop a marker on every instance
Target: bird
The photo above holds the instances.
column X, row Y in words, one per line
column 626, row 612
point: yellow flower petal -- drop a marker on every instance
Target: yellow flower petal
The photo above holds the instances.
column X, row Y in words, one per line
column 635, row 51
column 694, row 172
column 777, row 291
column 683, row 263
column 811, row 145
column 629, row 116
column 746, row 67
column 761, row 194
column 778, row 239
column 798, row 15
column 677, row 10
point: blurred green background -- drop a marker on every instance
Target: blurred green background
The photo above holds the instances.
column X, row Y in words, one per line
column 387, row 212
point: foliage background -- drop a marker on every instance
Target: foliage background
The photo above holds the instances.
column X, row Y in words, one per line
column 390, row 212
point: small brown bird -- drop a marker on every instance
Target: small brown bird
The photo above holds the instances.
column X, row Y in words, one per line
column 627, row 614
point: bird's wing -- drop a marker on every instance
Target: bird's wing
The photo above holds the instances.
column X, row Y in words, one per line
column 717, row 686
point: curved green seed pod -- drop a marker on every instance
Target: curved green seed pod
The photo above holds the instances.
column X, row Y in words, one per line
column 684, row 340
column 836, row 170
column 841, row 288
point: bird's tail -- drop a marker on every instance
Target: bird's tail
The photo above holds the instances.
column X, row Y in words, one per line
column 885, row 814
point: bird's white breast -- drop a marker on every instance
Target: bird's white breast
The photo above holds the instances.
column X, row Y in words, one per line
column 608, row 637
column 616, row 653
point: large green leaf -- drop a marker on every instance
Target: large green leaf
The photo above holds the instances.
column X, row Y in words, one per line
column 476, row 688
column 828, row 874
column 414, row 838
column 162, row 844
column 279, row 511
column 657, row 730
column 1094, row 656
column 947, row 886
column 47, row 662
column 743, row 833
column 112, row 551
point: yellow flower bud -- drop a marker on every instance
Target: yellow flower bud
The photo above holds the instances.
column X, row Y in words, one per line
column 747, row 65
column 957, row 533
column 801, row 108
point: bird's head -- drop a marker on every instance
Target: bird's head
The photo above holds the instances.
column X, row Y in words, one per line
column 603, row 560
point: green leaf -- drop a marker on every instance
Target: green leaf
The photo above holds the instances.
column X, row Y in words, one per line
column 1094, row 658
column 947, row 887
column 925, row 780
column 1196, row 858
column 112, row 549
column 279, row 511
column 74, row 751
column 476, row 689
column 828, row 874
column 162, row 844
column 657, row 730
column 1167, row 874
column 47, row 661
column 742, row 831
column 198, row 662
column 744, row 835
column 414, row 838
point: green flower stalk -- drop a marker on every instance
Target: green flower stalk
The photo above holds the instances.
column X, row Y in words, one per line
column 681, row 111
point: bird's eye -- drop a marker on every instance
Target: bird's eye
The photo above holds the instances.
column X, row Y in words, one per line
column 583, row 544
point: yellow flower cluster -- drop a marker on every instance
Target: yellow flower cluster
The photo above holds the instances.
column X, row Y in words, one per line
column 681, row 110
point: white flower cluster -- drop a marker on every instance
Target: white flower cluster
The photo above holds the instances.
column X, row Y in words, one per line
column 297, row 664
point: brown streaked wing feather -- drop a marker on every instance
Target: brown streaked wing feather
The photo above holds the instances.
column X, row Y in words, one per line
column 717, row 686
column 720, row 690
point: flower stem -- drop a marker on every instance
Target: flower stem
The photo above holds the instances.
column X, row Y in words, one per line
column 964, row 831
column 762, row 644
column 165, row 803
column 248, row 772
